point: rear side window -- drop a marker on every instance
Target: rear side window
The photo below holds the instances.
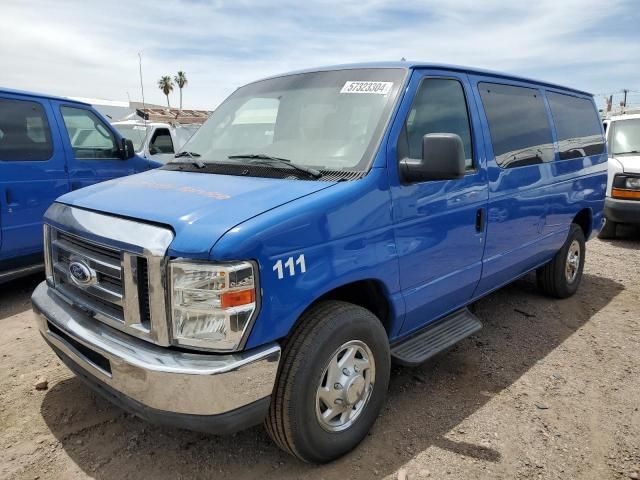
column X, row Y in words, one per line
column 90, row 138
column 439, row 107
column 24, row 131
column 577, row 126
column 518, row 125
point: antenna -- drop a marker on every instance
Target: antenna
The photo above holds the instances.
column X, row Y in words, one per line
column 144, row 113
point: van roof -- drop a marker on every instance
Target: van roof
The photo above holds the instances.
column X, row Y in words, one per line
column 410, row 65
column 39, row 95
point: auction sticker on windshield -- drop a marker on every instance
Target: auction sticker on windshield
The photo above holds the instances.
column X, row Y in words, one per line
column 380, row 88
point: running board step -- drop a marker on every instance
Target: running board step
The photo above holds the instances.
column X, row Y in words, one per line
column 435, row 338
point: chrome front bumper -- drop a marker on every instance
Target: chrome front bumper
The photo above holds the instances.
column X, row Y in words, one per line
column 155, row 379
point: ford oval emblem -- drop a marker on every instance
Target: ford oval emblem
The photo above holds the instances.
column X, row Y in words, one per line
column 81, row 273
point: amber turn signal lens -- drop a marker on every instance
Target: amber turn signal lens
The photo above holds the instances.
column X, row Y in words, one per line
column 235, row 299
column 628, row 194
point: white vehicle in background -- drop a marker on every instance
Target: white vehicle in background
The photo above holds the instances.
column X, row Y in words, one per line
column 622, row 204
column 153, row 140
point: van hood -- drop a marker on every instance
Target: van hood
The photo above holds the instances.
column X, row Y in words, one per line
column 630, row 163
column 199, row 207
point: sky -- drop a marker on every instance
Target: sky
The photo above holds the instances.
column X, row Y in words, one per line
column 87, row 48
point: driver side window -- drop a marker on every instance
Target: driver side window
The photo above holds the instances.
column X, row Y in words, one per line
column 438, row 107
column 161, row 142
column 89, row 136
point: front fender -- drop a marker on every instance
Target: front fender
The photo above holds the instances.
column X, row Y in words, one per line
column 313, row 245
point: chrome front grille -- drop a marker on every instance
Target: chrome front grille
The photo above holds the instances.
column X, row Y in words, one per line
column 112, row 268
column 105, row 294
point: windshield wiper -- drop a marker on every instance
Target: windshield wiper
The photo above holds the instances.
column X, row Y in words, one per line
column 626, row 153
column 191, row 155
column 264, row 158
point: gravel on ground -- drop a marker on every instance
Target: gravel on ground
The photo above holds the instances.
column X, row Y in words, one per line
column 547, row 389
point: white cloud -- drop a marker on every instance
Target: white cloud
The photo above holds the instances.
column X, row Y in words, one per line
column 89, row 48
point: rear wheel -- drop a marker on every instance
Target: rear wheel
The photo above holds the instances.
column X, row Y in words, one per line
column 332, row 383
column 561, row 276
column 608, row 230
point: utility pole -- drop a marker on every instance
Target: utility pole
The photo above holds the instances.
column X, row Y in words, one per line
column 625, row 97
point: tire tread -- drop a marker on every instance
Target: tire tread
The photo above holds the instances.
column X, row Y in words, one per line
column 278, row 421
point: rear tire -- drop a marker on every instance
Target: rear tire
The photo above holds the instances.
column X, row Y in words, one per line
column 317, row 365
column 608, row 230
column 561, row 277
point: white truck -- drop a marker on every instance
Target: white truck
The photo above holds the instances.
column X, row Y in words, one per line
column 622, row 204
column 153, row 140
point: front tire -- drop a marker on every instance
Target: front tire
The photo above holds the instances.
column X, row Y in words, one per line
column 608, row 230
column 561, row 277
column 332, row 382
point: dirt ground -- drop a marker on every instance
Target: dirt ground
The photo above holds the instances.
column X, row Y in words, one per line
column 547, row 389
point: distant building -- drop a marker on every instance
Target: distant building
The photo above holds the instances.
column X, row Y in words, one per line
column 172, row 115
column 116, row 111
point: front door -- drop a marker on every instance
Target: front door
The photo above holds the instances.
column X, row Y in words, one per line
column 32, row 175
column 92, row 147
column 439, row 225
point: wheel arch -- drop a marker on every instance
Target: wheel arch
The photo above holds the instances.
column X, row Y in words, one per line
column 369, row 293
column 584, row 219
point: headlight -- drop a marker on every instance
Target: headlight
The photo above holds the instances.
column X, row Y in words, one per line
column 626, row 187
column 632, row 183
column 211, row 304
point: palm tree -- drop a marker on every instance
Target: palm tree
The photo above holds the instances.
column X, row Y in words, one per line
column 166, row 85
column 181, row 81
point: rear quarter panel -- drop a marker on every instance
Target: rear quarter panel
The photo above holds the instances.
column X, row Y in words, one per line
column 576, row 184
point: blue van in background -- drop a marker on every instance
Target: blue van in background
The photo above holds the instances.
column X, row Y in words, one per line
column 49, row 146
column 319, row 225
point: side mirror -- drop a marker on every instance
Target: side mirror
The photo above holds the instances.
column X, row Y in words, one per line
column 127, row 151
column 442, row 159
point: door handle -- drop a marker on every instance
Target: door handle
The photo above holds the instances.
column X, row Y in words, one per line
column 480, row 220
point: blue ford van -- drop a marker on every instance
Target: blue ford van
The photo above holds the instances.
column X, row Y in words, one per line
column 318, row 226
column 49, row 146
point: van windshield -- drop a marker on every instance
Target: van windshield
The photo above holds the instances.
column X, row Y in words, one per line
column 626, row 137
column 135, row 133
column 322, row 120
